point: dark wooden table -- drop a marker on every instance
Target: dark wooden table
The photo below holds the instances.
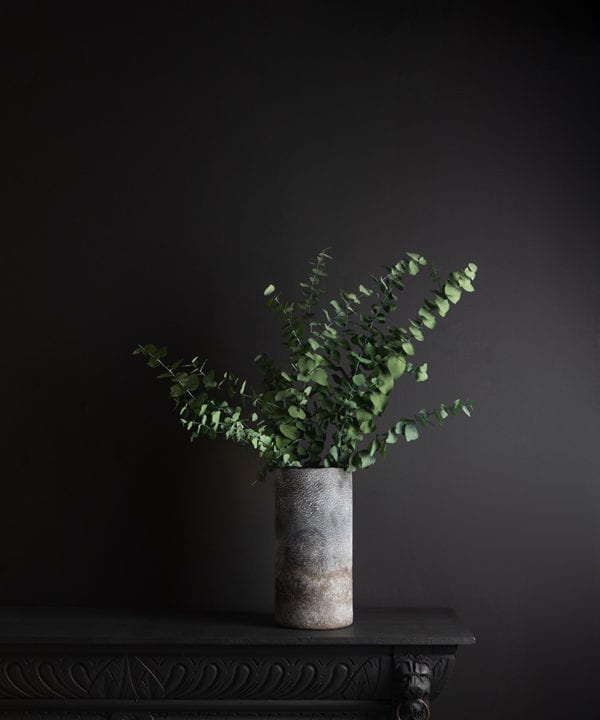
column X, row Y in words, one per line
column 181, row 665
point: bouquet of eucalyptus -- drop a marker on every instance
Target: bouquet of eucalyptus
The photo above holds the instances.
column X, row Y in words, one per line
column 320, row 410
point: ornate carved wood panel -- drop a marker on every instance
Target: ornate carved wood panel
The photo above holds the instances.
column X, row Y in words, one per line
column 185, row 677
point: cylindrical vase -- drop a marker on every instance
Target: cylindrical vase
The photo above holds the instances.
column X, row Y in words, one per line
column 313, row 563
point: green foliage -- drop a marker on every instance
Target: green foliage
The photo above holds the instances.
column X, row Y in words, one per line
column 322, row 409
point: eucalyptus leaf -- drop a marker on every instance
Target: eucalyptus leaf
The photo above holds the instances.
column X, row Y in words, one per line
column 319, row 376
column 410, row 432
column 379, row 402
column 396, row 364
column 421, row 373
column 452, row 292
column 385, row 382
column 176, row 391
column 443, row 305
column 427, row 318
column 363, row 415
column 413, row 267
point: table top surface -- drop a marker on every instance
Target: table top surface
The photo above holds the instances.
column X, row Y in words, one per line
column 87, row 626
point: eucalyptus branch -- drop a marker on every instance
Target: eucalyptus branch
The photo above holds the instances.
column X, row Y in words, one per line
column 340, row 375
column 285, row 311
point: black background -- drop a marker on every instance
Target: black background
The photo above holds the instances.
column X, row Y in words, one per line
column 162, row 165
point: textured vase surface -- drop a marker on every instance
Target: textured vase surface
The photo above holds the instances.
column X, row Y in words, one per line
column 313, row 563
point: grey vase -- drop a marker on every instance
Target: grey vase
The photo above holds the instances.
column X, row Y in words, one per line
column 313, row 563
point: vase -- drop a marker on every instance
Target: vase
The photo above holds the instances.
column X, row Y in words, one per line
column 313, row 558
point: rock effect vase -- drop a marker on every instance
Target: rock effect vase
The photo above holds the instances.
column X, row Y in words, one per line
column 313, row 563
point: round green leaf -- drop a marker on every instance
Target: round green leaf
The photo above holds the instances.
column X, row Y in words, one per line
column 410, row 432
column 319, row 376
column 379, row 401
column 288, row 431
column 452, row 292
column 396, row 364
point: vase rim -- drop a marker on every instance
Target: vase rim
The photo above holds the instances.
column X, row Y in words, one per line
column 313, row 469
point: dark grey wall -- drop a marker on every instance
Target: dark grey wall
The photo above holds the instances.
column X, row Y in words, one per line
column 160, row 168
